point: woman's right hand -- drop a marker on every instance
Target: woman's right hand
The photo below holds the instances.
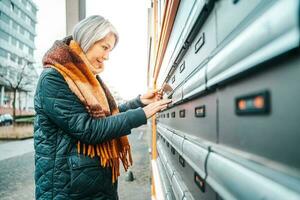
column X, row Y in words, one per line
column 155, row 107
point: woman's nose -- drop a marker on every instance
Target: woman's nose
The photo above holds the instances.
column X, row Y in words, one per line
column 106, row 56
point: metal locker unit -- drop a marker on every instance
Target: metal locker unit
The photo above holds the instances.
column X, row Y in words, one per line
column 184, row 19
column 179, row 188
column 189, row 19
column 167, row 189
column 235, row 181
column 272, row 33
column 254, row 106
column 165, row 160
column 256, row 76
column 195, row 84
column 259, row 114
column 185, row 165
column 232, row 126
column 193, row 170
column 195, row 118
column 199, row 50
column 233, row 14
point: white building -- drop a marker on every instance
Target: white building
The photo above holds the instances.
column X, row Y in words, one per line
column 17, row 33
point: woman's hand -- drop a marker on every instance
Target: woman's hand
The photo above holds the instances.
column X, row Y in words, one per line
column 155, row 107
column 151, row 96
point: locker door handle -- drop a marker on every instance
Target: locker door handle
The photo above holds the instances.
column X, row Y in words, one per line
column 173, row 150
column 182, row 113
column 182, row 67
column 173, row 79
column 182, row 161
column 173, row 114
column 199, row 181
column 200, row 42
column 200, row 111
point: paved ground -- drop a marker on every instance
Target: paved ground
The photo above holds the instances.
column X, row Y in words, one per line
column 16, row 178
column 139, row 189
column 17, row 167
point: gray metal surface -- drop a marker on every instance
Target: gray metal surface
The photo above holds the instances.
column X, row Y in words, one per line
column 230, row 15
column 185, row 18
column 273, row 33
column 274, row 136
column 203, row 127
column 195, row 156
column 233, row 181
column 177, row 142
column 177, row 95
column 167, row 189
column 200, row 49
column 195, row 84
column 238, row 156
column 178, row 186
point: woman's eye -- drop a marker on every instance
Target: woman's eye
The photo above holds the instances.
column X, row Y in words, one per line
column 105, row 48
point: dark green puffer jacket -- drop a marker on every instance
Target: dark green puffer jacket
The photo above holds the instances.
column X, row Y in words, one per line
column 61, row 120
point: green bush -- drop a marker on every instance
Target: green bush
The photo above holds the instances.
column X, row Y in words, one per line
column 25, row 120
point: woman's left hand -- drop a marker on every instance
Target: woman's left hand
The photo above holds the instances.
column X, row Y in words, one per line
column 151, row 96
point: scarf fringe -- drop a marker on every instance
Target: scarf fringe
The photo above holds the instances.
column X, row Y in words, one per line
column 108, row 156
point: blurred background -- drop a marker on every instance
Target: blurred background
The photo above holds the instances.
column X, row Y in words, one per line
column 28, row 28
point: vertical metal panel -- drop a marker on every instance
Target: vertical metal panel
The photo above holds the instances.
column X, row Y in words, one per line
column 274, row 135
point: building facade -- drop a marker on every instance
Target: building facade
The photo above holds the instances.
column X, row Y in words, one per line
column 17, row 33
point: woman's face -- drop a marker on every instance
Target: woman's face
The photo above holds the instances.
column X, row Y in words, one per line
column 99, row 52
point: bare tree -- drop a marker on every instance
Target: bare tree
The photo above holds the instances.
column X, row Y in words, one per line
column 18, row 82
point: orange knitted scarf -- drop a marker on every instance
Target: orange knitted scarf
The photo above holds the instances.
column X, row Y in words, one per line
column 70, row 61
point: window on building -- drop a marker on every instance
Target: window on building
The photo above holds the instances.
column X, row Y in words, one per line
column 15, row 25
column 27, row 34
column 13, row 57
column 33, row 10
column 12, row 6
column 20, row 61
column 21, row 45
column 22, row 30
column 16, row 10
column 14, row 41
column 27, row 19
column 31, row 37
column 3, row 53
column 31, row 51
column 23, row 14
column 32, row 23
column 4, row 17
column 26, row 48
column 4, row 35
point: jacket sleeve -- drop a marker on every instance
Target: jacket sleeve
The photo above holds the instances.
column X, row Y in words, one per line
column 65, row 110
column 132, row 104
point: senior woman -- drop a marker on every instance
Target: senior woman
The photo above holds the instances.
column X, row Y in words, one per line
column 80, row 134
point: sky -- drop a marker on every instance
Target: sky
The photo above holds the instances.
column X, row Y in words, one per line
column 126, row 68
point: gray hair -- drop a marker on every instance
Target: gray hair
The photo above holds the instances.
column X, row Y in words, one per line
column 92, row 29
